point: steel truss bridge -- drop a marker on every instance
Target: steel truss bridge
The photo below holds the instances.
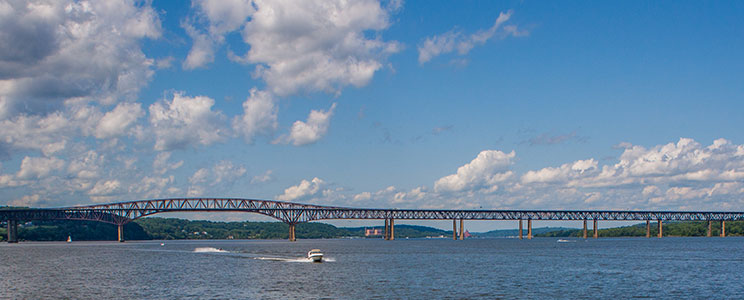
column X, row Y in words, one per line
column 294, row 213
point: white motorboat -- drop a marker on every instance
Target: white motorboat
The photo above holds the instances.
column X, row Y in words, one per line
column 315, row 255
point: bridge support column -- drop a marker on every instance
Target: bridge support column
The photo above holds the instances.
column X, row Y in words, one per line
column 520, row 229
column 648, row 228
column 660, row 228
column 585, row 235
column 529, row 229
column 386, row 231
column 454, row 229
column 392, row 229
column 12, row 231
column 462, row 231
column 723, row 228
column 292, row 237
column 596, row 232
column 120, row 233
column 709, row 233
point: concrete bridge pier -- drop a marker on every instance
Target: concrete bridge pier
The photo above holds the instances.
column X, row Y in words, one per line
column 12, row 231
column 462, row 230
column 648, row 228
column 529, row 229
column 585, row 236
column 723, row 228
column 386, row 231
column 392, row 229
column 520, row 229
column 660, row 228
column 120, row 232
column 292, row 237
column 596, row 233
column 454, row 229
column 709, row 233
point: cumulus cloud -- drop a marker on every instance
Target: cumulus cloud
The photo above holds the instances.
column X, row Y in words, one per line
column 222, row 17
column 563, row 173
column 185, row 121
column 154, row 187
column 106, row 187
column 303, row 190
column 308, row 45
column 52, row 51
column 304, row 133
column 39, row 167
column 259, row 115
column 161, row 165
column 86, row 166
column 488, row 169
column 457, row 41
column 116, row 121
column 226, row 171
column 265, row 177
column 223, row 173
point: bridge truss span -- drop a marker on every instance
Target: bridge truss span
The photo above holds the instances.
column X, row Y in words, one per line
column 294, row 213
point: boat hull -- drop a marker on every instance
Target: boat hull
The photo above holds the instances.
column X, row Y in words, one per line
column 316, row 258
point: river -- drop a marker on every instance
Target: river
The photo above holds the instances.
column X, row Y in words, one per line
column 542, row 268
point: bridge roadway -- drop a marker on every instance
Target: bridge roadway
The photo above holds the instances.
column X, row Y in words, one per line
column 294, row 213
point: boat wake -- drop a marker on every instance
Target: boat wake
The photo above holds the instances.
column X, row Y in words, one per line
column 210, row 250
column 298, row 259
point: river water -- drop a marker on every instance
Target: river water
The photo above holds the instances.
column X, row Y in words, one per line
column 542, row 268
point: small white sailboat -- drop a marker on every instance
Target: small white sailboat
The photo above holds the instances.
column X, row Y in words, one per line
column 69, row 239
column 315, row 255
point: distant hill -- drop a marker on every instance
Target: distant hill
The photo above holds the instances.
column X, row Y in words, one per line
column 515, row 232
column 403, row 231
column 733, row 228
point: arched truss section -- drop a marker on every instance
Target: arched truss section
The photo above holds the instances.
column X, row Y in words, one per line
column 287, row 212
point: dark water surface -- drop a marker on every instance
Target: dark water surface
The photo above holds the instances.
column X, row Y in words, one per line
column 542, row 268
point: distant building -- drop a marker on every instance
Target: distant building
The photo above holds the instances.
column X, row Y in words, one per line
column 372, row 231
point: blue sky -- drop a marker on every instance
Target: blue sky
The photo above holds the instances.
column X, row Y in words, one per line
column 462, row 104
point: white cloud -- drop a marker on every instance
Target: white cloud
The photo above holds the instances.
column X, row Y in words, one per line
column 457, row 41
column 39, row 167
column 259, row 115
column 489, row 168
column 154, row 187
column 106, row 187
column 185, row 121
column 53, row 51
column 304, row 133
column 303, row 190
column 200, row 176
column 222, row 174
column 222, row 16
column 227, row 172
column 160, row 164
column 116, row 121
column 265, row 177
column 86, row 166
column 561, row 174
column 202, row 51
column 308, row 45
column 27, row 201
column 47, row 134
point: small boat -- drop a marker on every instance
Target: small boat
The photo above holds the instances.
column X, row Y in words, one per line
column 315, row 255
column 69, row 239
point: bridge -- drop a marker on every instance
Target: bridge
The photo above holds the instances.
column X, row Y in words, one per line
column 294, row 213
